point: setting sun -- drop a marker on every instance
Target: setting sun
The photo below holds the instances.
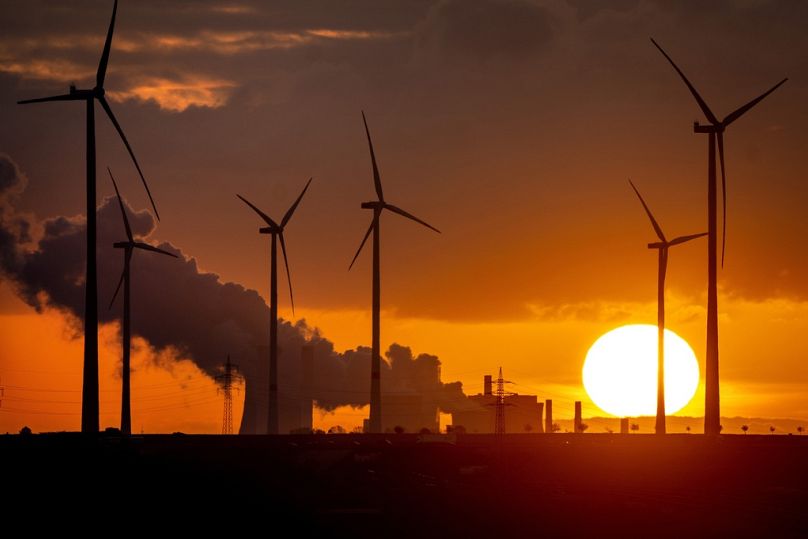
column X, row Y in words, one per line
column 620, row 371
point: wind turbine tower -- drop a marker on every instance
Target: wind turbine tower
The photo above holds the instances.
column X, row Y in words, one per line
column 275, row 231
column 715, row 135
column 89, row 393
column 662, row 246
column 378, row 206
column 128, row 246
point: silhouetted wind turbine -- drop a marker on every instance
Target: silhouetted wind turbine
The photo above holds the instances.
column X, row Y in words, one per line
column 662, row 246
column 89, row 396
column 128, row 246
column 714, row 130
column 375, row 419
column 276, row 232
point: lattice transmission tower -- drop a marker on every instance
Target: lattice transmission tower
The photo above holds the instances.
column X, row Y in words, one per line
column 500, row 404
column 228, row 378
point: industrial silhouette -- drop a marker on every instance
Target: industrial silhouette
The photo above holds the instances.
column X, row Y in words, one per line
column 486, row 412
column 89, row 395
column 275, row 231
column 715, row 132
column 662, row 246
column 228, row 378
column 128, row 246
column 577, row 422
column 375, row 420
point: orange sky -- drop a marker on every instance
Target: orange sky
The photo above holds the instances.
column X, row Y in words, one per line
column 41, row 364
column 512, row 127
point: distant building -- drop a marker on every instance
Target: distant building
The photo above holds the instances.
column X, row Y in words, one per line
column 409, row 411
column 295, row 395
column 523, row 413
column 296, row 403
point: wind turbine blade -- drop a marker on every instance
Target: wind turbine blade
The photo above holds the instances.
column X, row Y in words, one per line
column 267, row 219
column 117, row 289
column 128, row 258
column 732, row 116
column 292, row 209
column 123, row 211
column 704, row 108
column 377, row 180
column 114, row 121
column 64, row 97
column 723, row 195
column 656, row 226
column 102, row 64
column 288, row 275
column 364, row 240
column 683, row 239
column 147, row 247
column 401, row 212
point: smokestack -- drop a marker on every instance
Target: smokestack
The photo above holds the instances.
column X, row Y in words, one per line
column 623, row 425
column 540, row 410
column 487, row 385
column 306, row 389
column 577, row 423
column 548, row 416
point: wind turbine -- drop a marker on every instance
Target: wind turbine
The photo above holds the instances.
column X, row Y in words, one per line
column 275, row 230
column 715, row 132
column 128, row 246
column 662, row 246
column 89, row 395
column 375, row 420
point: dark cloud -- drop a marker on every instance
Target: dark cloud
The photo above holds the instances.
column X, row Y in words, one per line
column 15, row 229
column 590, row 8
column 11, row 179
column 177, row 306
column 512, row 125
column 483, row 29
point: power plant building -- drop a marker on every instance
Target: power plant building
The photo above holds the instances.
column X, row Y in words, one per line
column 409, row 411
column 523, row 413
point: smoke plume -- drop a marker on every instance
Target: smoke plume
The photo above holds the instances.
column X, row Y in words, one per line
column 178, row 307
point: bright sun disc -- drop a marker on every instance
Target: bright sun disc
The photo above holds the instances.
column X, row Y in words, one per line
column 620, row 371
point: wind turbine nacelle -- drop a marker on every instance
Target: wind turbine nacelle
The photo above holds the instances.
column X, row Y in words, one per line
column 709, row 128
column 81, row 94
column 375, row 204
column 268, row 230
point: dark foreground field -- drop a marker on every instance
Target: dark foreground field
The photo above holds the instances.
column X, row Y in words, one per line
column 559, row 485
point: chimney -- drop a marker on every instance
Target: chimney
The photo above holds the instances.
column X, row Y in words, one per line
column 487, row 387
column 548, row 416
column 577, row 423
column 623, row 425
column 540, row 410
column 306, row 389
